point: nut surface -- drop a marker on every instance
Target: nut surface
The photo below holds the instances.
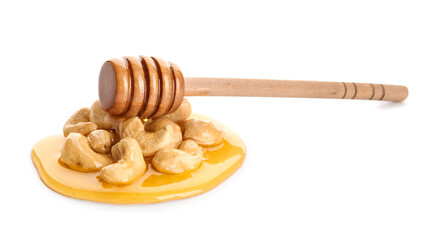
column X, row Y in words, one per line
column 188, row 157
column 205, row 133
column 167, row 136
column 79, row 122
column 156, row 124
column 78, row 155
column 182, row 113
column 100, row 117
column 101, row 140
column 129, row 166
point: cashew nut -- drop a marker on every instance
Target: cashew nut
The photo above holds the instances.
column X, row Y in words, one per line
column 99, row 116
column 79, row 122
column 78, row 155
column 129, row 166
column 166, row 134
column 182, row 113
column 203, row 132
column 188, row 157
column 153, row 125
column 101, row 140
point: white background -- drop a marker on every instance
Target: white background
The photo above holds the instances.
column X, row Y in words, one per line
column 315, row 169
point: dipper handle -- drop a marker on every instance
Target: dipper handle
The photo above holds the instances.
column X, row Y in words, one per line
column 197, row 86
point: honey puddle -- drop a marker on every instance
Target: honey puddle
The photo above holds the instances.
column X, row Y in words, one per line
column 220, row 162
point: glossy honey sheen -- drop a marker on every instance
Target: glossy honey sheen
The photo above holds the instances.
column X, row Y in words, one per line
column 220, row 162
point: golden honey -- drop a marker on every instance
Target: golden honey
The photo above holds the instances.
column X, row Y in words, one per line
column 220, row 162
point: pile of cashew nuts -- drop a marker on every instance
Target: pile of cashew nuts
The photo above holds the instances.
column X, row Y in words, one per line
column 119, row 147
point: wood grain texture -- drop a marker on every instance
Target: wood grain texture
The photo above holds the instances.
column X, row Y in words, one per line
column 152, row 77
column 179, row 86
column 138, row 90
column 166, row 87
column 196, row 86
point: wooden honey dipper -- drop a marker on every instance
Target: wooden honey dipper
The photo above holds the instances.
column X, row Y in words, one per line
column 151, row 87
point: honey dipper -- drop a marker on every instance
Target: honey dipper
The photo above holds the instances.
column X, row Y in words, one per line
column 151, row 87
